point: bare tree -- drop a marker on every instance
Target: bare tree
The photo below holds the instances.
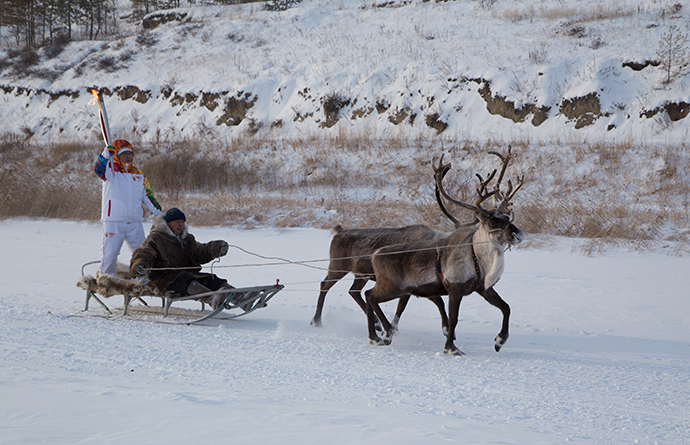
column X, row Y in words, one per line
column 672, row 52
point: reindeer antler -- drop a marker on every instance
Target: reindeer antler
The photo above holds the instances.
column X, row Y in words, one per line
column 483, row 192
column 504, row 205
column 439, row 173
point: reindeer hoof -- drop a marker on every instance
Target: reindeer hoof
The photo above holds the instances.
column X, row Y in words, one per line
column 500, row 341
column 378, row 342
column 453, row 351
column 316, row 323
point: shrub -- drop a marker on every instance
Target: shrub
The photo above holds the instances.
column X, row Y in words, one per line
column 27, row 59
column 106, row 63
column 537, row 56
column 332, row 104
column 57, row 46
column 281, row 5
column 146, row 39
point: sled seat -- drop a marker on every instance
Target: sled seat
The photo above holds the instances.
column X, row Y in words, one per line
column 108, row 285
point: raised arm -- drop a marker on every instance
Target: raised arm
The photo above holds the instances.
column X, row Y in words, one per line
column 101, row 164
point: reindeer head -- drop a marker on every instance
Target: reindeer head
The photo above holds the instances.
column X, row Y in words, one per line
column 498, row 222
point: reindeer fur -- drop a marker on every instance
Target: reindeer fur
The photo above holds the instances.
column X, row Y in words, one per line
column 123, row 284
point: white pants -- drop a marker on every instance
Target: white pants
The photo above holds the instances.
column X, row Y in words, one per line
column 114, row 234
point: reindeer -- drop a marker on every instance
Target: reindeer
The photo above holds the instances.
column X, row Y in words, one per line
column 351, row 251
column 470, row 259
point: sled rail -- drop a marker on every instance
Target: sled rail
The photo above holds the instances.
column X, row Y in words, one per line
column 246, row 299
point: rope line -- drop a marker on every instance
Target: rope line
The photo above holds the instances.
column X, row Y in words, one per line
column 305, row 263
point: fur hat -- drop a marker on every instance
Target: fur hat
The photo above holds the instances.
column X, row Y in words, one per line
column 174, row 214
column 122, row 146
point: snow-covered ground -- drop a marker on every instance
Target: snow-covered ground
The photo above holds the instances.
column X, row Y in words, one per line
column 598, row 353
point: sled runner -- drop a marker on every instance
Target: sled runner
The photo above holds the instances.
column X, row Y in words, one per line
column 246, row 299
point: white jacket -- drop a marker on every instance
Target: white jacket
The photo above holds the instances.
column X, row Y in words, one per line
column 123, row 194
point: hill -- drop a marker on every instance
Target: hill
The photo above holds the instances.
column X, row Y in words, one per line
column 322, row 97
column 465, row 69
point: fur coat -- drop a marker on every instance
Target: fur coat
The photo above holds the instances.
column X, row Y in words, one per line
column 164, row 249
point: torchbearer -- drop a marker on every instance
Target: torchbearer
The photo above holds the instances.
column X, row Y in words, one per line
column 125, row 188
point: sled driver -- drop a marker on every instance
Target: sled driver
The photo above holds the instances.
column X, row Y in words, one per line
column 175, row 258
column 125, row 188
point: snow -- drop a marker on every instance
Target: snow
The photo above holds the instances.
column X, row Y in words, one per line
column 418, row 57
column 599, row 349
column 598, row 353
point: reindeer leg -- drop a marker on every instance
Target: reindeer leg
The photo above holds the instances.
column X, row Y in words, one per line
column 438, row 301
column 331, row 278
column 492, row 297
column 374, row 339
column 373, row 309
column 356, row 294
column 454, row 300
column 402, row 304
column 386, row 327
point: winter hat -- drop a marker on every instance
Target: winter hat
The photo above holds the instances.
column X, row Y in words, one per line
column 122, row 146
column 174, row 214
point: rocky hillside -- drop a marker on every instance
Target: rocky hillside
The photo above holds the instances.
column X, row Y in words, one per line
column 463, row 69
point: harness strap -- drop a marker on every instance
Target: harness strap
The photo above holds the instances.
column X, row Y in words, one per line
column 477, row 270
column 439, row 272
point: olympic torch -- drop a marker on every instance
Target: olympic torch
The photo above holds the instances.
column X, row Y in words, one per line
column 102, row 115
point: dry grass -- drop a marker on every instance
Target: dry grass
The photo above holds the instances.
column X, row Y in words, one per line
column 593, row 12
column 603, row 194
column 26, row 194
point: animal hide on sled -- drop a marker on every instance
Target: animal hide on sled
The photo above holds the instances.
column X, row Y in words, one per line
column 109, row 285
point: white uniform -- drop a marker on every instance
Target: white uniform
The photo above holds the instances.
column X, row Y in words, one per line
column 121, row 213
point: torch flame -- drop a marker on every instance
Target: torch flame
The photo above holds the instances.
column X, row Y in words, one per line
column 95, row 96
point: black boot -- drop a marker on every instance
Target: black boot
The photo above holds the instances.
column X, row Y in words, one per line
column 215, row 300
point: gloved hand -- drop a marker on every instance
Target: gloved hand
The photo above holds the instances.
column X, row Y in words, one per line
column 139, row 270
column 223, row 248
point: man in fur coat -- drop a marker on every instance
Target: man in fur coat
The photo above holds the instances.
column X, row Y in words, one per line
column 175, row 258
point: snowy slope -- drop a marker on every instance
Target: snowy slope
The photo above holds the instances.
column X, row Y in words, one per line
column 598, row 353
column 396, row 67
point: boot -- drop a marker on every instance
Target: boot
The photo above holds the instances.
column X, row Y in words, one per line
column 196, row 288
column 223, row 293
column 215, row 300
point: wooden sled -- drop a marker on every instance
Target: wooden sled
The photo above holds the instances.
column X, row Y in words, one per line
column 246, row 299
